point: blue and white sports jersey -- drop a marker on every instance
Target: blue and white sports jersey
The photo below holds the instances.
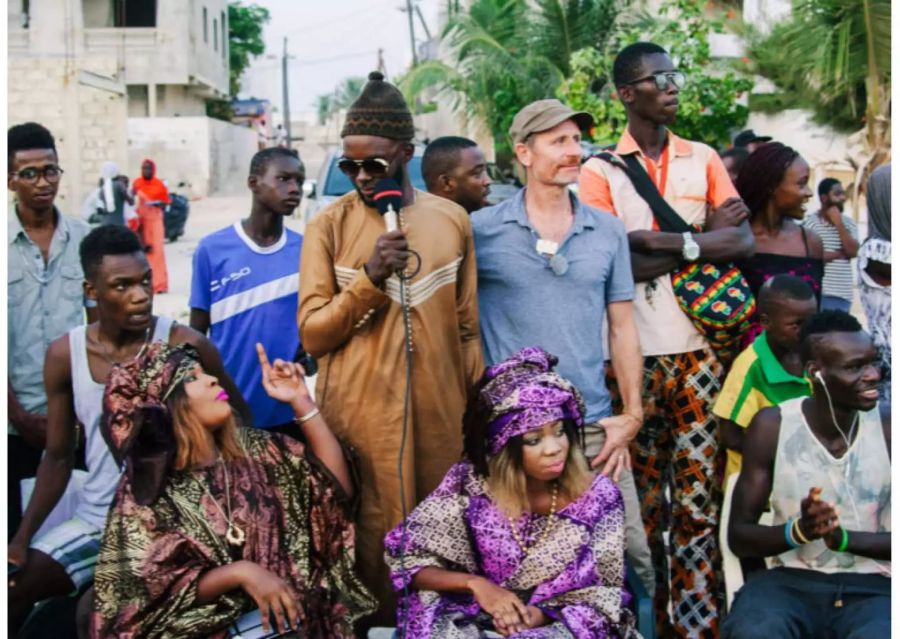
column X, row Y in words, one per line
column 250, row 293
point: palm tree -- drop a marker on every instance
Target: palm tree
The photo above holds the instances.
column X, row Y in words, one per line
column 834, row 56
column 341, row 98
column 504, row 54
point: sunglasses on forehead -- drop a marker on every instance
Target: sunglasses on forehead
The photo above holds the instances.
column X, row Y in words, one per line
column 663, row 78
column 374, row 167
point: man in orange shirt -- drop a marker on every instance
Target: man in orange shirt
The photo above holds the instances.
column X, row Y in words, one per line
column 678, row 443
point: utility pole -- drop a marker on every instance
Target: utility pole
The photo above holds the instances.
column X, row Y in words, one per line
column 286, row 96
column 412, row 31
column 422, row 22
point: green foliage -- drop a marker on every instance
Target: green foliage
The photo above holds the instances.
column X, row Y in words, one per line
column 824, row 56
column 341, row 98
column 709, row 107
column 245, row 39
column 508, row 53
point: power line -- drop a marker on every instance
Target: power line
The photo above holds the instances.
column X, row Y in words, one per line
column 313, row 27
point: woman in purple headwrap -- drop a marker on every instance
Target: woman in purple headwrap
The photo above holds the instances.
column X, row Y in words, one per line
column 210, row 520
column 519, row 538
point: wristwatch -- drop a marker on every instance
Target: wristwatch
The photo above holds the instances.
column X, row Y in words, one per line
column 691, row 250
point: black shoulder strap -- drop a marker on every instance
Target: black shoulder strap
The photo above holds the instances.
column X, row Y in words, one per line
column 665, row 215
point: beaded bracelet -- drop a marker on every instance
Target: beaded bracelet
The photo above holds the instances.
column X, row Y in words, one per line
column 845, row 540
column 789, row 535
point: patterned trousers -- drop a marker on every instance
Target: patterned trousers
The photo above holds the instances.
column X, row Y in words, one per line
column 676, row 448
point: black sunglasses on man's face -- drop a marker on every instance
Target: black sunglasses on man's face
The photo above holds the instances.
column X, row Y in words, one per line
column 374, row 167
column 663, row 78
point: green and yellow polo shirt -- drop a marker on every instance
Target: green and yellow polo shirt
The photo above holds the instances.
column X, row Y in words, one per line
column 756, row 380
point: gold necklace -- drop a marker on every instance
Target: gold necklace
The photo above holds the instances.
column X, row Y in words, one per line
column 234, row 534
column 551, row 518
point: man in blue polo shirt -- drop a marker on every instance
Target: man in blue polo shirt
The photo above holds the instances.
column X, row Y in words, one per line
column 550, row 269
column 245, row 283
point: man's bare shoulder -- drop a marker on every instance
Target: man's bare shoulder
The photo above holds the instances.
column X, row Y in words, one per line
column 58, row 359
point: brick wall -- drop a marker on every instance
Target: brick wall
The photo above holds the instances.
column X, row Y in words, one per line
column 88, row 122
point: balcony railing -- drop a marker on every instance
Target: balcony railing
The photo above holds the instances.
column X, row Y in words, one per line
column 132, row 39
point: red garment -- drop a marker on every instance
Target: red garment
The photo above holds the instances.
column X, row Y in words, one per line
column 152, row 189
column 153, row 232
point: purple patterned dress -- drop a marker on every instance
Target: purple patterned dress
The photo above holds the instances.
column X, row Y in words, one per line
column 575, row 574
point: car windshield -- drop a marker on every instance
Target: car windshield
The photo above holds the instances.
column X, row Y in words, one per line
column 338, row 184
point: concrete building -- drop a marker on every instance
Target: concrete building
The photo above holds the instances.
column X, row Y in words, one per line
column 123, row 80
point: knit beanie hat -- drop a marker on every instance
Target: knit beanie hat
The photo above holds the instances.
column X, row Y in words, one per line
column 379, row 110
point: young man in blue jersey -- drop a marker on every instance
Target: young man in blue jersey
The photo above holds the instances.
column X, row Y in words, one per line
column 244, row 286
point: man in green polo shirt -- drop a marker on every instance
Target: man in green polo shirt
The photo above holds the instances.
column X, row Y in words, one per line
column 769, row 371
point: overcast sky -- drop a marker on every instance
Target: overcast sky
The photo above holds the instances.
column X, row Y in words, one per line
column 331, row 40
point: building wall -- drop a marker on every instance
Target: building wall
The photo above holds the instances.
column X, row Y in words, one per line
column 209, row 155
column 86, row 116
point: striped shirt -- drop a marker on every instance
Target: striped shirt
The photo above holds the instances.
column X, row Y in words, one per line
column 838, row 280
column 756, row 380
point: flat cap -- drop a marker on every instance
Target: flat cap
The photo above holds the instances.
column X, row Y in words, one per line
column 543, row 115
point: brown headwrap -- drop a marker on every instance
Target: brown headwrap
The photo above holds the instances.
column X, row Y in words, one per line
column 136, row 422
column 380, row 110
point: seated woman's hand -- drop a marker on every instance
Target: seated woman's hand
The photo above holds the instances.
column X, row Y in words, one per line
column 509, row 613
column 284, row 381
column 272, row 595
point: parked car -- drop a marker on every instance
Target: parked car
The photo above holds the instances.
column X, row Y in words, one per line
column 331, row 183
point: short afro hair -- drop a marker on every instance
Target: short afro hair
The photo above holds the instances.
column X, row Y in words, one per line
column 109, row 239
column 24, row 137
column 627, row 64
column 826, row 185
column 441, row 157
column 260, row 161
column 819, row 325
column 783, row 286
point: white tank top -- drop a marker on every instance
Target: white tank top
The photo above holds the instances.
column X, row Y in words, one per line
column 103, row 473
column 859, row 484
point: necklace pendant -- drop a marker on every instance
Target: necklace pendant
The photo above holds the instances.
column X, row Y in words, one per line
column 234, row 535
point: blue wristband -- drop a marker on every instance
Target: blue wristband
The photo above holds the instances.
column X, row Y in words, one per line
column 787, row 534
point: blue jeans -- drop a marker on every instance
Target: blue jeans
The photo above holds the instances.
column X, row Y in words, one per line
column 835, row 303
column 790, row 603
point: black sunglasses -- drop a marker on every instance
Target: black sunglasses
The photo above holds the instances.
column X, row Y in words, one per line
column 374, row 167
column 663, row 78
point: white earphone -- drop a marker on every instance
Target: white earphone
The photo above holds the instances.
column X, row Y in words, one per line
column 820, row 378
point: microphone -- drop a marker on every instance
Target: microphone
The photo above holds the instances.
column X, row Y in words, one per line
column 388, row 200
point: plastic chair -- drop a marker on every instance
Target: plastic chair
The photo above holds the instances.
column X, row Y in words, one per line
column 731, row 565
column 642, row 604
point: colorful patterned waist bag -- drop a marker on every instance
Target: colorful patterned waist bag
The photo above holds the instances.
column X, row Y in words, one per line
column 716, row 297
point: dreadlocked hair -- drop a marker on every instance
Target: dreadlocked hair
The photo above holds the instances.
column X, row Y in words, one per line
column 761, row 174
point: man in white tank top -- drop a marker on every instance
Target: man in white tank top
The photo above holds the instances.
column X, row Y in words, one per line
column 118, row 277
column 824, row 464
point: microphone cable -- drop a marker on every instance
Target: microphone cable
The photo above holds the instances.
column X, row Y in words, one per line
column 388, row 200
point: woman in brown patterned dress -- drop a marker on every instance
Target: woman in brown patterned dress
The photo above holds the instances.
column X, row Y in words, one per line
column 210, row 520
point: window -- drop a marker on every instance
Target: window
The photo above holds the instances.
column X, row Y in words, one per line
column 205, row 27
column 224, row 35
column 135, row 14
column 215, row 34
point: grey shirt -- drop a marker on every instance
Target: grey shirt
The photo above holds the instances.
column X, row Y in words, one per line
column 43, row 302
column 523, row 301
